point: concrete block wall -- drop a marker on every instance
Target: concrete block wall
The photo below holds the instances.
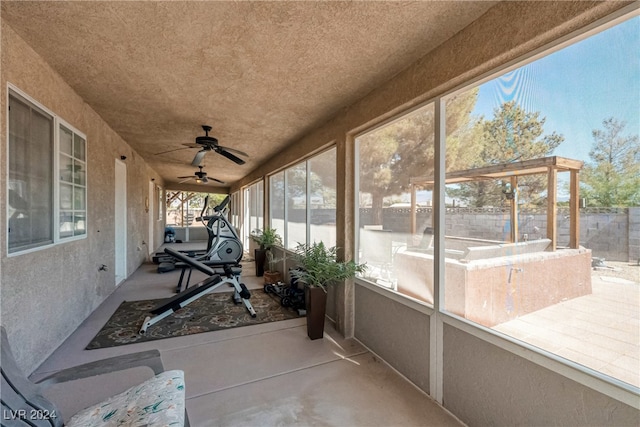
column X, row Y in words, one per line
column 606, row 233
column 610, row 233
column 634, row 234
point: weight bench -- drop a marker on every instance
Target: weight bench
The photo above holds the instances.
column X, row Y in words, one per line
column 170, row 306
column 222, row 269
column 28, row 403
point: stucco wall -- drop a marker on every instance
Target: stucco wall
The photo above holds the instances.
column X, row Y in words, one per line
column 395, row 332
column 483, row 384
column 499, row 388
column 47, row 293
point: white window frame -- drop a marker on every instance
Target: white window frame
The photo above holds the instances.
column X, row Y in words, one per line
column 283, row 232
column 588, row 377
column 251, row 199
column 236, row 209
column 306, row 161
column 13, row 90
column 161, row 204
column 58, row 182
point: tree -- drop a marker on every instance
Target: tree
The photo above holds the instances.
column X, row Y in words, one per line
column 322, row 178
column 511, row 135
column 392, row 155
column 181, row 202
column 613, row 176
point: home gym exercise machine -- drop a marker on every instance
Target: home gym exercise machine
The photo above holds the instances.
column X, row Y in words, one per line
column 223, row 243
column 224, row 247
column 241, row 293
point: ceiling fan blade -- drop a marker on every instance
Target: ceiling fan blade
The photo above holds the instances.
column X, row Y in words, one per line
column 229, row 156
column 185, row 180
column 183, row 177
column 198, row 158
column 217, row 180
column 170, row 151
column 178, row 149
column 233, row 150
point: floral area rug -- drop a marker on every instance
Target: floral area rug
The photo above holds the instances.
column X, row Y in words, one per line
column 212, row 312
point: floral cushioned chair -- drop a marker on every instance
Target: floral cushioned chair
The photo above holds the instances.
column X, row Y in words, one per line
column 159, row 401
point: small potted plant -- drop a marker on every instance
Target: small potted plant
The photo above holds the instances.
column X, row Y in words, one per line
column 267, row 239
column 317, row 268
column 271, row 274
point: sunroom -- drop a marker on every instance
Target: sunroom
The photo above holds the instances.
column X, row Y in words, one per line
column 348, row 119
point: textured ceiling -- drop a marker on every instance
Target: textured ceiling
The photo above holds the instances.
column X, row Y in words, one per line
column 262, row 74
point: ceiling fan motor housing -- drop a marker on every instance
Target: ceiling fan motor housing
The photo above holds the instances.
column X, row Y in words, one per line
column 206, row 140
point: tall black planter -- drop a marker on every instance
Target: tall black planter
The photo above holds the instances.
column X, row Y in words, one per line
column 260, row 256
column 315, row 299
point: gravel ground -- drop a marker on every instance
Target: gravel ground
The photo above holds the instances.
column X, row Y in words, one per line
column 622, row 270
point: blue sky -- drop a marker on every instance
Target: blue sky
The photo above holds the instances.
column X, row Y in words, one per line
column 576, row 88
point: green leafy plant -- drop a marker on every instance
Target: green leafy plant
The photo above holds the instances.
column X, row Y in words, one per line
column 318, row 265
column 267, row 238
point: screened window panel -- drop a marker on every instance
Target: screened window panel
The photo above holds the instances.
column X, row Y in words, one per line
column 277, row 204
column 79, row 147
column 160, row 203
column 394, row 238
column 322, row 198
column 73, row 198
column 296, row 202
column 256, row 194
column 30, row 222
column 66, row 141
column 66, row 196
column 79, row 198
column 510, row 265
column 80, row 224
column 66, row 224
column 79, row 173
column 254, row 221
column 260, row 205
column 66, row 168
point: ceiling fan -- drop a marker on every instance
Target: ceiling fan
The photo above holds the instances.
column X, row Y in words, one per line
column 199, row 176
column 209, row 143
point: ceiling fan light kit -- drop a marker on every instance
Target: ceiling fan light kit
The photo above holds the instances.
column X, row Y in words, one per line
column 200, row 177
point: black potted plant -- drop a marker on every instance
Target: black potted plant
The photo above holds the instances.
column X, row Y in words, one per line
column 317, row 268
column 266, row 239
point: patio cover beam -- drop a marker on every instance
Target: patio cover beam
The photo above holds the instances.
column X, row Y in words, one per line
column 544, row 165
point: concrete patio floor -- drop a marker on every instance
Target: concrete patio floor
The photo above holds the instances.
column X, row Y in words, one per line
column 600, row 331
column 272, row 374
column 267, row 374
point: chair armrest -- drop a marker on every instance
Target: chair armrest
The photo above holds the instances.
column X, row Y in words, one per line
column 150, row 358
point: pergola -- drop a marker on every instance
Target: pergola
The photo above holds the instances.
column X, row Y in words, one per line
column 545, row 165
